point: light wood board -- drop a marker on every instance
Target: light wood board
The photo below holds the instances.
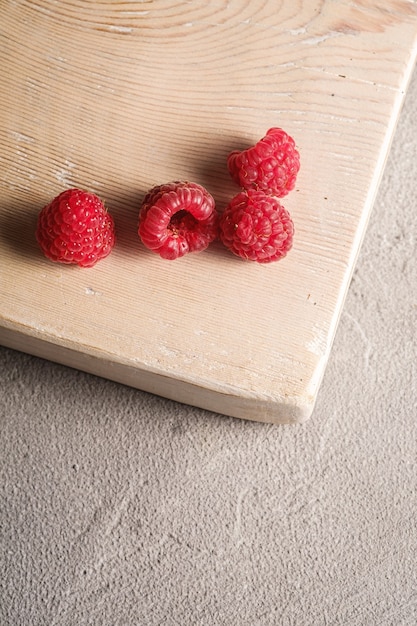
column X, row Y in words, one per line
column 116, row 97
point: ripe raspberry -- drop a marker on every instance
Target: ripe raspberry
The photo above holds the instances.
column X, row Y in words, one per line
column 272, row 164
column 177, row 218
column 256, row 227
column 75, row 228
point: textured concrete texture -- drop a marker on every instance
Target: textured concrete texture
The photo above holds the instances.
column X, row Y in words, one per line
column 121, row 508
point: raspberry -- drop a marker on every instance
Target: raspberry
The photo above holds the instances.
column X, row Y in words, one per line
column 256, row 227
column 177, row 218
column 271, row 164
column 75, row 228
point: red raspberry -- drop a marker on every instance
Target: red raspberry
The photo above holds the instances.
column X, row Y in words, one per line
column 272, row 164
column 75, row 228
column 256, row 227
column 177, row 218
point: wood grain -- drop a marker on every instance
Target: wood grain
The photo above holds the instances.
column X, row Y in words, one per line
column 115, row 97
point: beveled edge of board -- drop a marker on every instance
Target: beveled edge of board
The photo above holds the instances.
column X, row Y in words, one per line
column 241, row 404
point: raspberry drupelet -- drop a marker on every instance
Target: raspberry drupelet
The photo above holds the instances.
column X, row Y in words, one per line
column 256, row 227
column 177, row 218
column 75, row 228
column 272, row 164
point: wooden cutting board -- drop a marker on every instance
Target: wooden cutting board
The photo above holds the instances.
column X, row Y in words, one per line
column 116, row 97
